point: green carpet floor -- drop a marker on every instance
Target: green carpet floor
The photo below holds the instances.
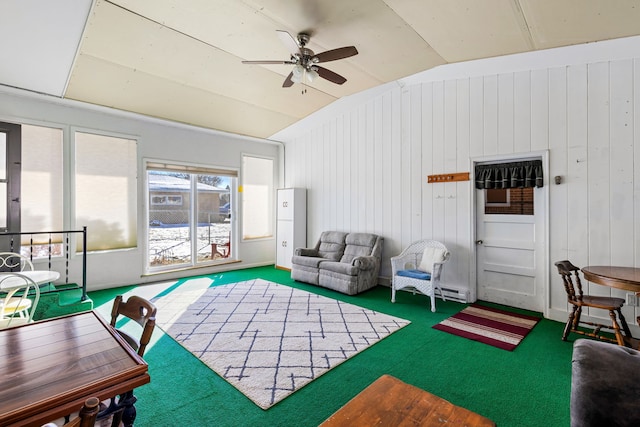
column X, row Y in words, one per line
column 527, row 387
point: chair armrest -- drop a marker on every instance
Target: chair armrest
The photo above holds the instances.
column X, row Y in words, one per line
column 365, row 262
column 399, row 262
column 437, row 269
column 305, row 252
column 402, row 258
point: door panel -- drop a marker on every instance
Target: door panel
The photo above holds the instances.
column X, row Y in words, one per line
column 518, row 257
column 284, row 243
column 509, row 227
column 509, row 250
column 285, row 204
column 502, row 281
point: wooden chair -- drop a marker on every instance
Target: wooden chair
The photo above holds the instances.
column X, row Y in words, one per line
column 577, row 299
column 142, row 312
column 86, row 417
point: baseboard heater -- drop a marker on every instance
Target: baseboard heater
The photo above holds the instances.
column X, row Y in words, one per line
column 458, row 295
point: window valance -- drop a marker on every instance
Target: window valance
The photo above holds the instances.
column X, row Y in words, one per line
column 509, row 175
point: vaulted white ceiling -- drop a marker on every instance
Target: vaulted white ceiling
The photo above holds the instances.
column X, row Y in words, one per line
column 181, row 59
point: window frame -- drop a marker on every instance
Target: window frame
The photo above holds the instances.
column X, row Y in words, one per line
column 154, row 164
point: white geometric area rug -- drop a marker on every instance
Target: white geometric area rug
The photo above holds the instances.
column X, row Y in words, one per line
column 269, row 340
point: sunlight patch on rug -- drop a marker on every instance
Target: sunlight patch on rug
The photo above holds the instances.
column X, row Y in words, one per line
column 266, row 339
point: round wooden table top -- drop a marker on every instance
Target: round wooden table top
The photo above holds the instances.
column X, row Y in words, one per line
column 627, row 278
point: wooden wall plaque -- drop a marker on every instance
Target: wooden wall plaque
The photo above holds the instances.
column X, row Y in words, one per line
column 448, row 177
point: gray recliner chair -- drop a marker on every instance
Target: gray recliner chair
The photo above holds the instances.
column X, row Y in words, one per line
column 345, row 262
column 306, row 261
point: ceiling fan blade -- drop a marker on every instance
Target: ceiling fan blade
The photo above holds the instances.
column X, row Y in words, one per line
column 332, row 55
column 330, row 75
column 288, row 82
column 289, row 42
column 268, row 62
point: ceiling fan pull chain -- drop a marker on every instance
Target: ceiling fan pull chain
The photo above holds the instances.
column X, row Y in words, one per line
column 303, row 81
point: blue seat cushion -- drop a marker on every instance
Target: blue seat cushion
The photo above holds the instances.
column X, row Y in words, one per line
column 415, row 274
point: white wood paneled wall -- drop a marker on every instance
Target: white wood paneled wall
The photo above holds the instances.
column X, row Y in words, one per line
column 366, row 166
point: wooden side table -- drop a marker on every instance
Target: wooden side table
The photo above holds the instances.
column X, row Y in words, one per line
column 391, row 402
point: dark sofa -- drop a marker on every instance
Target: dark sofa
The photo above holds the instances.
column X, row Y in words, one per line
column 605, row 385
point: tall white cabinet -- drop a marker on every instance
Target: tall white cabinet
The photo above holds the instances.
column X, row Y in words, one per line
column 291, row 227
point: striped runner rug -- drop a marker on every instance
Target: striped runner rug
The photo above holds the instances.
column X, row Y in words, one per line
column 489, row 325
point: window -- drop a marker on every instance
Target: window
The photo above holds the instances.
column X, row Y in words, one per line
column 509, row 201
column 41, row 185
column 189, row 213
column 41, row 192
column 101, row 193
column 106, row 195
column 497, row 197
column 166, row 200
column 257, row 197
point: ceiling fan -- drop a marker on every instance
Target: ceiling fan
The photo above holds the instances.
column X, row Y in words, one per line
column 305, row 60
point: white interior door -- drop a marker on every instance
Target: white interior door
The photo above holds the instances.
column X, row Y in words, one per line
column 510, row 255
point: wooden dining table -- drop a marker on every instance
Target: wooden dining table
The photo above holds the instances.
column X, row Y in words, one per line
column 49, row 368
column 626, row 278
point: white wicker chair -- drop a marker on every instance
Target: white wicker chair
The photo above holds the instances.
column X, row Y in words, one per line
column 410, row 259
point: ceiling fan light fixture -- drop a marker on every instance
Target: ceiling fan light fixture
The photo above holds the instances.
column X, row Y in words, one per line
column 298, row 70
column 304, row 60
column 312, row 75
